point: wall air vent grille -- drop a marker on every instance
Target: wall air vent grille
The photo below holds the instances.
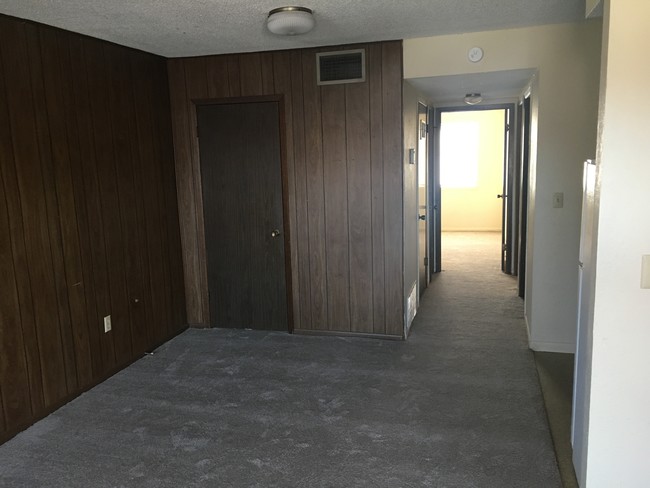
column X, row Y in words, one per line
column 341, row 67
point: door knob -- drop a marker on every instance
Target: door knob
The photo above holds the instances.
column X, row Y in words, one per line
column 275, row 233
column 422, row 217
column 502, row 196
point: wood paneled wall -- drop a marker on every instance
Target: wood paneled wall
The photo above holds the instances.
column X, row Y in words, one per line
column 88, row 215
column 344, row 160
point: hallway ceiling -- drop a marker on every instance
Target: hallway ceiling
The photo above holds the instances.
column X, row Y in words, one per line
column 198, row 27
column 495, row 86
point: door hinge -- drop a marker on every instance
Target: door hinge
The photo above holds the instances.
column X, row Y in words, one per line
column 507, row 127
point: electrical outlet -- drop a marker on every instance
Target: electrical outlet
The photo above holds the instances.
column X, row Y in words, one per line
column 558, row 200
column 107, row 324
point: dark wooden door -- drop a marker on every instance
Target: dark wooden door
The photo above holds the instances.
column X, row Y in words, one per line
column 523, row 204
column 423, row 197
column 435, row 213
column 507, row 198
column 239, row 145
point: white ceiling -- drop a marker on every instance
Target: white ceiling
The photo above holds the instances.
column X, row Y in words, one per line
column 495, row 86
column 196, row 27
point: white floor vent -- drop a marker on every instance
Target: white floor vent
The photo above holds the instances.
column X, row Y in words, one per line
column 411, row 309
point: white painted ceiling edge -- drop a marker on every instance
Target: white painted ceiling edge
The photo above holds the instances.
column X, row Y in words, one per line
column 201, row 27
column 495, row 86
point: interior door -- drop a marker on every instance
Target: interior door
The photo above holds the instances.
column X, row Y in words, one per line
column 507, row 198
column 435, row 194
column 241, row 172
column 584, row 339
column 423, row 222
column 523, row 199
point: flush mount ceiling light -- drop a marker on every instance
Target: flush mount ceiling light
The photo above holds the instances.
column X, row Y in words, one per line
column 473, row 98
column 290, row 21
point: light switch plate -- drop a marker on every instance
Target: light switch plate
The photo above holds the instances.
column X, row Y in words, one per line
column 107, row 324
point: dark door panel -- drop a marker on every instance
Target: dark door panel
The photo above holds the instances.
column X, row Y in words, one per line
column 423, row 197
column 242, row 199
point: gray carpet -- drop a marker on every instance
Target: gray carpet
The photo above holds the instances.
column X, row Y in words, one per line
column 555, row 372
column 458, row 405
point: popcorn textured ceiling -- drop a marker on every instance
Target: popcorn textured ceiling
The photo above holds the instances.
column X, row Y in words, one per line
column 175, row 28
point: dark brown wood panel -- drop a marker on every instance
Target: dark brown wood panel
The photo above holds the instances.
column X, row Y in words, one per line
column 187, row 205
column 335, row 178
column 165, row 155
column 301, row 229
column 217, row 69
column 50, row 150
column 123, row 125
column 74, row 245
column 151, row 181
column 49, row 90
column 344, row 181
column 234, row 75
column 250, row 68
column 159, row 108
column 359, row 206
column 15, row 232
column 197, row 89
column 15, row 403
column 87, row 342
column 268, row 73
column 105, row 188
column 393, row 189
column 3, row 422
column 89, row 208
column 315, row 202
column 143, row 309
column 377, row 187
column 280, row 69
column 30, row 185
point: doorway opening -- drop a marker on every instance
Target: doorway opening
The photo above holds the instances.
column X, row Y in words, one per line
column 476, row 192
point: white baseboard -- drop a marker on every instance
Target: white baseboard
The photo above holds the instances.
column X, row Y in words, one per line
column 565, row 347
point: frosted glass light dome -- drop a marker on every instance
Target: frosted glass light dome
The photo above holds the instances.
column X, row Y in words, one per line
column 290, row 21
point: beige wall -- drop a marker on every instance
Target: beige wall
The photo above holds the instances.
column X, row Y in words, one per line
column 565, row 102
column 478, row 208
column 619, row 425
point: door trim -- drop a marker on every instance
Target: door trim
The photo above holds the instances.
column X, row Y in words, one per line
column 279, row 99
column 435, row 190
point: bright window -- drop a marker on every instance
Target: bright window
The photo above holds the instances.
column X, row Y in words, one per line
column 459, row 154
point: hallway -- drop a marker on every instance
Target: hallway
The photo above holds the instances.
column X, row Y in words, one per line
column 457, row 405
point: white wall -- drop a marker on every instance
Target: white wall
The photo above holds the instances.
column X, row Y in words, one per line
column 477, row 208
column 565, row 101
column 619, row 418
